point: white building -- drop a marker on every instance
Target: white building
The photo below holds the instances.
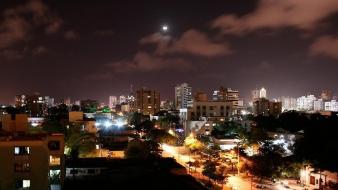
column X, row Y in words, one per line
column 183, row 96
column 122, row 99
column 288, row 103
column 318, row 105
column 331, row 106
column 305, row 103
column 262, row 93
column 112, row 101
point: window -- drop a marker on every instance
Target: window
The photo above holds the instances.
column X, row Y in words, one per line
column 22, row 167
column 211, row 108
column 21, row 150
column 54, row 160
column 23, row 184
column 54, row 145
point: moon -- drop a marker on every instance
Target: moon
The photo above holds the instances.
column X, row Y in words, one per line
column 165, row 28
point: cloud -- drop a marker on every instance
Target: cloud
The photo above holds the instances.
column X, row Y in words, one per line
column 325, row 45
column 12, row 31
column 146, row 62
column 39, row 50
column 71, row 35
column 192, row 42
column 300, row 14
column 17, row 22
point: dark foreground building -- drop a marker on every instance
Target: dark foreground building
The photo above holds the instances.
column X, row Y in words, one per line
column 102, row 173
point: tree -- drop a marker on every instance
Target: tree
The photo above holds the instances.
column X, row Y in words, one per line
column 136, row 149
column 162, row 136
column 209, row 169
column 78, row 142
column 135, row 119
column 267, row 163
column 193, row 144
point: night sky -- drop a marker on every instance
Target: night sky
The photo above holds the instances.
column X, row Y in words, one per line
column 93, row 49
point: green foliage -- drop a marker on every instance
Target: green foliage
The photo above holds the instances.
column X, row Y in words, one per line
column 193, row 144
column 268, row 162
column 162, row 136
column 79, row 142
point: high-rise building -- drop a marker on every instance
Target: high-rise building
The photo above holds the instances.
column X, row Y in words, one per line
column 288, row 103
column 112, row 101
column 183, row 96
column 20, row 100
column 254, row 95
column 225, row 94
column 331, row 106
column 305, row 103
column 262, row 93
column 318, row 105
column 147, row 101
column 122, row 99
column 265, row 107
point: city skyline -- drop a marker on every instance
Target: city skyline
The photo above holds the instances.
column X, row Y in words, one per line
column 112, row 45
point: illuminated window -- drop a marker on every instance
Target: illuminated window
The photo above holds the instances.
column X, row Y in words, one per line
column 20, row 184
column 54, row 160
column 21, row 150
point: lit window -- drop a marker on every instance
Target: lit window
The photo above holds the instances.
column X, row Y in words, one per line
column 54, row 160
column 21, row 150
column 26, row 183
column 20, row 184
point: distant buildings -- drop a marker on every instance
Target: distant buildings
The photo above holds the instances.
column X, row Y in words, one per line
column 305, row 103
column 265, row 107
column 112, row 101
column 288, row 103
column 183, row 96
column 258, row 93
column 262, row 93
column 35, row 105
column 89, row 106
column 147, row 101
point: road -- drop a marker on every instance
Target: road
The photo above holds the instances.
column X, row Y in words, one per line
column 182, row 156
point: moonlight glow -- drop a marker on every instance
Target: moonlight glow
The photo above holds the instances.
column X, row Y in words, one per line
column 165, row 28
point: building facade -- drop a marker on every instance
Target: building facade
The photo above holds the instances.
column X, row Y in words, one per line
column 183, row 96
column 147, row 101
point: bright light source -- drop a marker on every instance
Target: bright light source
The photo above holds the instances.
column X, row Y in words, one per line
column 165, row 28
column 119, row 123
column 171, row 132
column 35, row 124
column 107, row 124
